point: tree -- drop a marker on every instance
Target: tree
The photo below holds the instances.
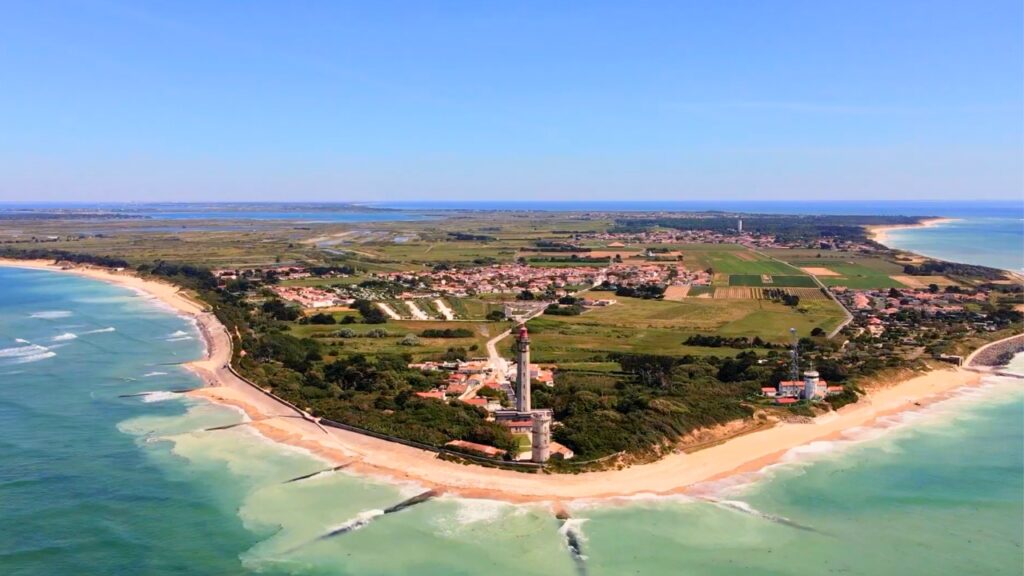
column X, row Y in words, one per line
column 372, row 314
column 322, row 318
column 280, row 311
column 652, row 370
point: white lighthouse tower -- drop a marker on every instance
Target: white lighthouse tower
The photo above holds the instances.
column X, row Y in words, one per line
column 541, row 438
column 523, row 370
column 810, row 384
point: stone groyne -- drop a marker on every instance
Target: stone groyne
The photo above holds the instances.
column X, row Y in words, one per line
column 995, row 354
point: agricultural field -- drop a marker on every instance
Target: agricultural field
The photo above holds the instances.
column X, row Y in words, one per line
column 854, row 273
column 367, row 338
column 441, row 251
column 728, row 259
column 755, row 293
column 660, row 327
column 771, row 281
column 845, row 269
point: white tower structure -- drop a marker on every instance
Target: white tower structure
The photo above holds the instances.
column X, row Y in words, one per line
column 739, row 225
column 810, row 384
column 541, row 435
column 523, row 370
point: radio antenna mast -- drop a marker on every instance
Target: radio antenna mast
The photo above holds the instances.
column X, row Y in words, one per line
column 794, row 368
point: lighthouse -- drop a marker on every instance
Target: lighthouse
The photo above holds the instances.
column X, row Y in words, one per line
column 523, row 370
column 810, row 384
column 541, row 436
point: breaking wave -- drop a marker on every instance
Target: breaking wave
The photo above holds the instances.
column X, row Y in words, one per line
column 26, row 354
column 65, row 336
column 178, row 336
column 18, row 351
column 151, row 374
column 51, row 314
column 158, row 396
column 360, row 520
column 100, row 330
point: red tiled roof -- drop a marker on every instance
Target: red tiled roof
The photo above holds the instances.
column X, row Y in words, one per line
column 481, row 448
column 516, row 423
column 432, row 394
column 786, row 400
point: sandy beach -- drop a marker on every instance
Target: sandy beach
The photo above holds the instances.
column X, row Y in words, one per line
column 673, row 474
column 879, row 233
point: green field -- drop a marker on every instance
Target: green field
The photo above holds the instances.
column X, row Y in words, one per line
column 660, row 327
column 568, row 263
column 735, row 260
column 859, row 273
column 778, row 281
column 426, row 348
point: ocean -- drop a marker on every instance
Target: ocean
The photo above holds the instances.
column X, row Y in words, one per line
column 107, row 471
column 959, row 209
column 988, row 240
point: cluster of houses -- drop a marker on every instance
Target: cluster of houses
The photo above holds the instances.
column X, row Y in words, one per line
column 640, row 274
column 878, row 310
column 498, row 279
column 514, row 278
column 310, row 297
column 467, row 377
column 283, row 272
column 624, row 240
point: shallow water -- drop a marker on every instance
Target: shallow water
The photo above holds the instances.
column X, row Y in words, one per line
column 990, row 241
column 94, row 483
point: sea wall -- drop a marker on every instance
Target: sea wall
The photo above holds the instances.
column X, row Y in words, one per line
column 995, row 354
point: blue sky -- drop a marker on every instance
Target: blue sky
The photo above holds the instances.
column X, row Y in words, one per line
column 109, row 100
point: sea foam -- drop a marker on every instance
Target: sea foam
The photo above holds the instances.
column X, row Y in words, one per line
column 26, row 354
column 158, row 396
column 51, row 314
column 360, row 520
column 64, row 337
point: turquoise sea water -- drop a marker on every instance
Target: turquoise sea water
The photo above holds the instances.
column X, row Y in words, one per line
column 990, row 241
column 95, row 483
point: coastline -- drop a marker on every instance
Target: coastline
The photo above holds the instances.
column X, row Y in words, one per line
column 880, row 233
column 673, row 474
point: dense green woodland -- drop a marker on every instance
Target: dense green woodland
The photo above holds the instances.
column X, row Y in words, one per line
column 786, row 228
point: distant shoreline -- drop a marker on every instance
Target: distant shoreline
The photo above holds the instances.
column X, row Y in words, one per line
column 880, row 233
column 673, row 474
